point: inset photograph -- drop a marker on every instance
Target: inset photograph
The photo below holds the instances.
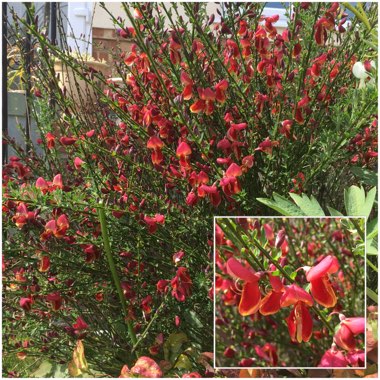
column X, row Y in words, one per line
column 289, row 292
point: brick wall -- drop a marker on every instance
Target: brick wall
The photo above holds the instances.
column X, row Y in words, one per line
column 107, row 45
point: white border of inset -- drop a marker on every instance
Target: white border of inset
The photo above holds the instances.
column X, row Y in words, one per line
column 294, row 217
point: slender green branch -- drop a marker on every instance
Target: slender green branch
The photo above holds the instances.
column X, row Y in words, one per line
column 115, row 277
column 361, row 16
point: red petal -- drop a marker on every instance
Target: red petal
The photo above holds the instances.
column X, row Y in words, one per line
column 146, row 367
column 250, row 299
column 329, row 264
column 345, row 338
column 276, row 283
column 333, row 359
column 300, row 323
column 307, row 323
column 294, row 294
column 198, row 106
column 234, row 170
column 57, row 181
column 185, row 79
column 237, row 270
column 323, row 292
column 356, row 325
column 183, row 150
column 208, row 94
column 187, row 92
column 270, row 304
column 154, row 143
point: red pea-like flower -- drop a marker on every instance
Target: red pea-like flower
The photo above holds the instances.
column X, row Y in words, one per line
column 250, row 296
column 349, row 328
column 55, row 300
column 155, row 144
column 300, row 323
column 181, row 284
column 44, row 264
column 333, row 358
column 26, row 303
column 183, row 152
column 153, row 221
column 320, row 285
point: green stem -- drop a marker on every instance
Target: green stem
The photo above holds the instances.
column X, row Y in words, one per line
column 144, row 334
column 361, row 16
column 360, row 231
column 115, row 277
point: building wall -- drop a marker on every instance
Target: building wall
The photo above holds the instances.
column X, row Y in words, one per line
column 105, row 39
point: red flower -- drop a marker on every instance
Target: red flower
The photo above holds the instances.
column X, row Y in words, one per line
column 22, row 215
column 205, row 103
column 80, row 324
column 55, row 300
column 300, row 323
column 146, row 304
column 356, row 358
column 44, row 264
column 333, row 358
column 181, row 284
column 250, row 296
column 78, row 163
column 144, row 367
column 267, row 145
column 153, row 221
column 187, row 92
column 162, row 286
column 57, row 228
column 26, row 303
column 348, row 329
column 212, row 192
column 320, row 285
column 67, row 140
column 178, row 256
column 229, row 183
column 50, row 140
column 234, row 130
column 286, row 125
column 156, row 145
column 220, row 89
column 192, row 375
column 42, row 185
column 183, row 152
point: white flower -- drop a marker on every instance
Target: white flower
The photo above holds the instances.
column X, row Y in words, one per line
column 359, row 71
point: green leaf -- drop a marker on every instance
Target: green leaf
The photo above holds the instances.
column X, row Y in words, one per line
column 44, row 370
column 193, row 319
column 334, row 212
column 356, row 201
column 372, row 229
column 371, row 247
column 309, row 206
column 368, row 177
column 281, row 205
column 173, row 346
column 371, row 294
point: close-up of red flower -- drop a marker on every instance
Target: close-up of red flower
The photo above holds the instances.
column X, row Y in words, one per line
column 299, row 304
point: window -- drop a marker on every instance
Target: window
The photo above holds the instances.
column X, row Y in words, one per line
column 277, row 8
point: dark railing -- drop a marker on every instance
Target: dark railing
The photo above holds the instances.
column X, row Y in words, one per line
column 4, row 82
column 27, row 51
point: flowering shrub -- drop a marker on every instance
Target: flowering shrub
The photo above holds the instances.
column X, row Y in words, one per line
column 289, row 293
column 108, row 218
